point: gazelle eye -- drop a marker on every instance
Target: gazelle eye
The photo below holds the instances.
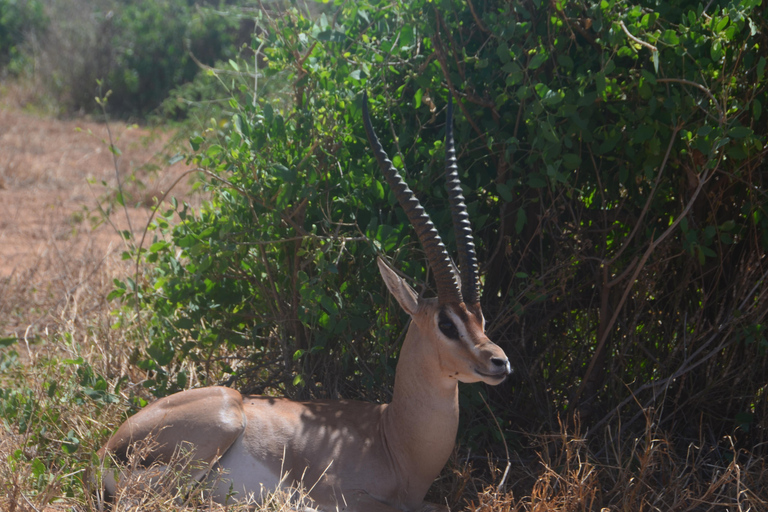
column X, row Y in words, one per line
column 447, row 327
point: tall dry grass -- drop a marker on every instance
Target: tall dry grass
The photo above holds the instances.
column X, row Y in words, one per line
column 632, row 475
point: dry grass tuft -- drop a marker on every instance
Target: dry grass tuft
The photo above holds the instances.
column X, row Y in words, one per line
column 647, row 475
column 176, row 485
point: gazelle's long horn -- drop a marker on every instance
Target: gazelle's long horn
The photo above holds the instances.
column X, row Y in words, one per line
column 461, row 226
column 448, row 291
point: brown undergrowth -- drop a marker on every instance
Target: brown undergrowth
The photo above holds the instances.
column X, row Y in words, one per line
column 642, row 474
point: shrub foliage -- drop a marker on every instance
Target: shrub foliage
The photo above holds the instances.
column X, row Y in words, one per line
column 613, row 160
column 140, row 50
column 19, row 19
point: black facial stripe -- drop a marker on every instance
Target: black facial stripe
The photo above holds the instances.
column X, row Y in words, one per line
column 447, row 327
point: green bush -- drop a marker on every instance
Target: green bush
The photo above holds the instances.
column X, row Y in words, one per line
column 611, row 156
column 155, row 45
column 19, row 20
column 140, row 50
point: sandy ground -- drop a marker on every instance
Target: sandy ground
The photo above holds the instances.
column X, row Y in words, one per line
column 54, row 243
column 46, row 200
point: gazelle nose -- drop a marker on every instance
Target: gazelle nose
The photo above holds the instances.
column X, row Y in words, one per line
column 499, row 362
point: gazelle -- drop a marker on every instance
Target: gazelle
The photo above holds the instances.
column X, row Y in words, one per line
column 358, row 456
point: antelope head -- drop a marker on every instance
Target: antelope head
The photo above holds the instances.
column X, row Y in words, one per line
column 454, row 317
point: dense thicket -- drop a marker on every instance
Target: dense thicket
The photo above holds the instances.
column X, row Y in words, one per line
column 18, row 18
column 613, row 158
column 138, row 49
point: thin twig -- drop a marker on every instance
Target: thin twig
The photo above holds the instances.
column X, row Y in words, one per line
column 647, row 205
column 500, row 487
column 700, row 87
column 630, row 285
column 638, row 41
column 113, row 149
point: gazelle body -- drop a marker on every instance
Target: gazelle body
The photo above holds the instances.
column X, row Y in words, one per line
column 354, row 456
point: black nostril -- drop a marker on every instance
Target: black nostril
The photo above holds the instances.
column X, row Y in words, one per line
column 497, row 361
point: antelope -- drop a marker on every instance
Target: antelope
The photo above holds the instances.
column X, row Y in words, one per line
column 357, row 456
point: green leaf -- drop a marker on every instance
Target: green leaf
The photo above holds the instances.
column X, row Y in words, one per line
column 406, row 35
column 716, row 51
column 329, row 305
column 536, row 180
column 38, row 468
column 502, row 52
column 505, row 192
column 115, row 294
column 671, row 37
column 537, row 61
column 740, row 132
column 7, row 342
column 214, row 150
column 722, row 24
column 71, row 443
column 417, row 97
column 565, row 61
column 379, row 188
column 158, row 246
column 648, row 76
column 186, row 241
column 722, row 142
column 643, row 133
column 195, row 142
column 161, row 352
column 571, row 161
column 520, row 220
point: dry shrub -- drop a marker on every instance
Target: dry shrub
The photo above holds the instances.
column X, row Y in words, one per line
column 646, row 474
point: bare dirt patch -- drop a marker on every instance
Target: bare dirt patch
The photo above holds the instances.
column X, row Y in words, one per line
column 53, row 245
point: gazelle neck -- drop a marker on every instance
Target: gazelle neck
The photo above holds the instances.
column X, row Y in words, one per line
column 421, row 422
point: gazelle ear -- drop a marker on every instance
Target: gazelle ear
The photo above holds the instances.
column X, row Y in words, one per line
column 402, row 291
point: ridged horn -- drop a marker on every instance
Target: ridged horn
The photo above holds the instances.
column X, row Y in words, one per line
column 448, row 291
column 461, row 226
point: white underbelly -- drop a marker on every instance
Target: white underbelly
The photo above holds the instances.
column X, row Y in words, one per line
column 240, row 477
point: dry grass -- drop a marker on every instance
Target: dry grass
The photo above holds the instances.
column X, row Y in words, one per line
column 156, row 488
column 647, row 475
